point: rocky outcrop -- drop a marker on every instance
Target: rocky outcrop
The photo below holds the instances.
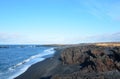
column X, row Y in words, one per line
column 97, row 60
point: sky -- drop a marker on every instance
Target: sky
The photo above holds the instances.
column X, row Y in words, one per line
column 59, row 21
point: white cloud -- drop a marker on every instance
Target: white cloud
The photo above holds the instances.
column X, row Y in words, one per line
column 12, row 38
column 115, row 37
column 6, row 38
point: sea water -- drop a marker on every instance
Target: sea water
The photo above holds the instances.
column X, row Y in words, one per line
column 15, row 59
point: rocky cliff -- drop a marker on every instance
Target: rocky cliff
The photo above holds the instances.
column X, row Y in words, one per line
column 95, row 62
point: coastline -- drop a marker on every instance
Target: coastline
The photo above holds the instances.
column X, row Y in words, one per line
column 33, row 60
column 65, row 65
column 51, row 62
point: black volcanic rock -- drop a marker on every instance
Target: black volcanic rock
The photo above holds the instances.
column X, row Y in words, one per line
column 91, row 59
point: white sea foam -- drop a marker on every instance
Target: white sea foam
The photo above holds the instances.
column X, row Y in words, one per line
column 26, row 63
column 45, row 52
column 23, row 69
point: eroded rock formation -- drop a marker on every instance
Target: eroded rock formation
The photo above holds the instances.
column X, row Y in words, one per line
column 96, row 62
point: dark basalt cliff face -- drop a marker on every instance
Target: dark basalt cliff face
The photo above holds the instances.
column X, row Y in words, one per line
column 95, row 62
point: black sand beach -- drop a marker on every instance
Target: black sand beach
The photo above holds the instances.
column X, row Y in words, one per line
column 42, row 69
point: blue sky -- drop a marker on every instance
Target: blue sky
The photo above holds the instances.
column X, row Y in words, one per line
column 59, row 21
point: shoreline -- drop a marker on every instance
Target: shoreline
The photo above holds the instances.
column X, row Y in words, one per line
column 24, row 68
column 33, row 60
column 66, row 65
column 42, row 67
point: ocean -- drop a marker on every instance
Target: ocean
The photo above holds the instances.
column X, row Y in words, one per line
column 16, row 59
